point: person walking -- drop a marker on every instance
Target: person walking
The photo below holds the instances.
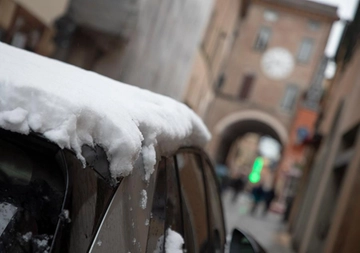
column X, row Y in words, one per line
column 268, row 198
column 258, row 195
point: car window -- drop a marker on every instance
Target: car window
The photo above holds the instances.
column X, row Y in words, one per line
column 32, row 191
column 217, row 227
column 193, row 202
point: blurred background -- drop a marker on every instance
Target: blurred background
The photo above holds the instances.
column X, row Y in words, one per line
column 276, row 81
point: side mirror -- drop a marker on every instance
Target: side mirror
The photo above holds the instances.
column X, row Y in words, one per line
column 244, row 243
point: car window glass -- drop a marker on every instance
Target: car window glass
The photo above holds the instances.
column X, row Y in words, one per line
column 193, row 202
column 32, row 191
column 217, row 228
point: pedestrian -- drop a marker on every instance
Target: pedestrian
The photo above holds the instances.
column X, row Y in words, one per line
column 268, row 198
column 258, row 196
column 238, row 186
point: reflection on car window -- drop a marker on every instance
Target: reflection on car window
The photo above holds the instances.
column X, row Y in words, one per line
column 217, row 229
column 193, row 202
column 157, row 222
column 32, row 189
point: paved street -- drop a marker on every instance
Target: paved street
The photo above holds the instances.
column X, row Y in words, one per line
column 268, row 230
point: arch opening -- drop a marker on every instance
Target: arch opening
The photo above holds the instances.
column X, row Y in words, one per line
column 237, row 130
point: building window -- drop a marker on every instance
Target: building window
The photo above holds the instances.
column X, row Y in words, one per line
column 246, row 86
column 262, row 39
column 221, row 81
column 290, row 96
column 313, row 25
column 271, row 16
column 305, row 50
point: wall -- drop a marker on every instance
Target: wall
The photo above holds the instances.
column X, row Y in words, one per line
column 325, row 223
column 7, row 9
column 37, row 17
column 45, row 10
column 212, row 54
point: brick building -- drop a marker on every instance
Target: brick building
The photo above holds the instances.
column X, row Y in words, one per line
column 326, row 216
column 29, row 24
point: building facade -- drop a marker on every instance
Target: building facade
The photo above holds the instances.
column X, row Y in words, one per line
column 262, row 80
column 29, row 24
column 213, row 53
column 329, row 210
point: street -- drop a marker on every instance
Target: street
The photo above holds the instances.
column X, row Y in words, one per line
column 268, row 230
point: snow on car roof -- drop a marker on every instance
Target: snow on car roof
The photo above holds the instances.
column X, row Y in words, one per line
column 73, row 107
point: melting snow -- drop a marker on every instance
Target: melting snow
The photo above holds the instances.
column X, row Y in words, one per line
column 73, row 107
column 143, row 200
column 174, row 242
column 26, row 237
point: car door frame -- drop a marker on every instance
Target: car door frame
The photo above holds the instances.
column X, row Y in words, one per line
column 204, row 159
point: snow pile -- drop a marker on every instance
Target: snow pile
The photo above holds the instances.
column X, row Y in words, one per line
column 174, row 242
column 73, row 107
column 27, row 237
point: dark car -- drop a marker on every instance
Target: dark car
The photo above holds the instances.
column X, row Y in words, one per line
column 52, row 204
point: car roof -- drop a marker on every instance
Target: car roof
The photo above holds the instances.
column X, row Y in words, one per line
column 73, row 107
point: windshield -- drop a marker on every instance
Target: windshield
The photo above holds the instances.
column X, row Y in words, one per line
column 32, row 190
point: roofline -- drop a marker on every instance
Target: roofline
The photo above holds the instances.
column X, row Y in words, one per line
column 327, row 11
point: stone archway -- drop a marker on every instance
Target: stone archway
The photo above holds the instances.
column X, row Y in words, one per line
column 237, row 124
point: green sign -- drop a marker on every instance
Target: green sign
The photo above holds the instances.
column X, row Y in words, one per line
column 255, row 174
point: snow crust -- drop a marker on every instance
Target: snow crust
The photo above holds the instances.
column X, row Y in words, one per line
column 73, row 107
